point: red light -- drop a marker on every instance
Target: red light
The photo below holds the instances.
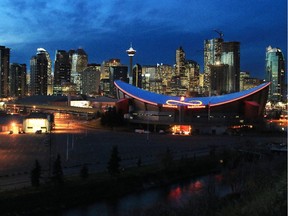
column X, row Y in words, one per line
column 219, row 178
column 196, row 186
column 175, row 194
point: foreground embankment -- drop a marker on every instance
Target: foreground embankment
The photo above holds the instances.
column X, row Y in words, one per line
column 251, row 176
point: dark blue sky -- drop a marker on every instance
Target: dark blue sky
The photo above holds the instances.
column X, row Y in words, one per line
column 104, row 29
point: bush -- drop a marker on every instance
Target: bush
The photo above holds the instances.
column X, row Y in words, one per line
column 114, row 162
column 36, row 174
column 57, row 171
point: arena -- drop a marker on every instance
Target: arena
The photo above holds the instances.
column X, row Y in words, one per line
column 204, row 114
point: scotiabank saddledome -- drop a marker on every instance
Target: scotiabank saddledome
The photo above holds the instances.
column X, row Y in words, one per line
column 141, row 105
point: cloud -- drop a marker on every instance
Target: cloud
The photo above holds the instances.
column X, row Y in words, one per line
column 50, row 20
column 107, row 27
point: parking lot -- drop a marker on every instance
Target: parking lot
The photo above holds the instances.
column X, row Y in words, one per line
column 18, row 152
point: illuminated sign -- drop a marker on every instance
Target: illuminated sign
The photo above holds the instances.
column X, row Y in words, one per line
column 192, row 104
column 169, row 106
column 195, row 106
column 80, row 103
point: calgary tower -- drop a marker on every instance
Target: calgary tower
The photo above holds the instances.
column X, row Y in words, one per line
column 131, row 52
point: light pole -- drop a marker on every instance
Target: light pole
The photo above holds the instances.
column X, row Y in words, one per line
column 209, row 110
column 50, row 149
column 148, row 131
column 51, row 120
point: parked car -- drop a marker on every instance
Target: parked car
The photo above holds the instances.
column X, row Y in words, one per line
column 38, row 132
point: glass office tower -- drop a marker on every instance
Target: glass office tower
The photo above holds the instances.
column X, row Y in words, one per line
column 275, row 73
column 62, row 71
column 40, row 73
column 212, row 56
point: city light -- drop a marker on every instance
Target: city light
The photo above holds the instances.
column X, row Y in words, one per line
column 181, row 130
column 13, row 128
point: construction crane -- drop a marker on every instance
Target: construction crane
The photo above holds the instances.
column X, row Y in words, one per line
column 220, row 33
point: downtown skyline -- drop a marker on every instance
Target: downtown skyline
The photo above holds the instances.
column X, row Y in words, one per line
column 105, row 29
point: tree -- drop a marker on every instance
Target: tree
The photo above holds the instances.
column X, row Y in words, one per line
column 139, row 162
column 84, row 172
column 112, row 118
column 57, row 171
column 35, row 174
column 114, row 162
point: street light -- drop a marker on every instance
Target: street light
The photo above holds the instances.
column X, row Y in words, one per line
column 147, row 138
column 12, row 129
column 50, row 145
column 209, row 110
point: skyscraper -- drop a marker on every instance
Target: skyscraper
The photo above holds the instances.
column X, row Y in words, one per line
column 18, row 84
column 91, row 79
column 186, row 77
column 192, row 69
column 149, row 78
column 221, row 66
column 230, row 56
column 62, row 71
column 165, row 73
column 180, row 61
column 218, row 79
column 137, row 76
column 79, row 63
column 244, row 75
column 105, row 75
column 275, row 73
column 117, row 73
column 212, row 56
column 4, row 71
column 40, row 73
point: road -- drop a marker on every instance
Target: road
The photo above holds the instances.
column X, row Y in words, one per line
column 79, row 145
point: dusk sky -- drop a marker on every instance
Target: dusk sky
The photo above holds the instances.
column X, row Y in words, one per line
column 105, row 28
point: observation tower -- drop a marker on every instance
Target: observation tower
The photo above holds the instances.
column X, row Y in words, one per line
column 131, row 52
